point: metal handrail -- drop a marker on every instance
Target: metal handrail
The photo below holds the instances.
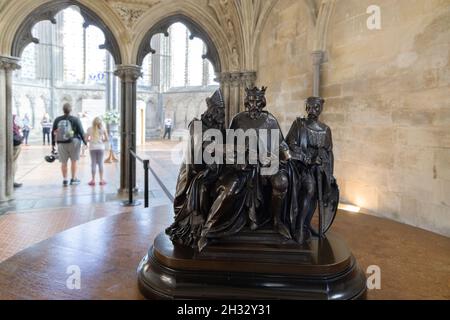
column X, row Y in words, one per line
column 146, row 163
column 147, row 168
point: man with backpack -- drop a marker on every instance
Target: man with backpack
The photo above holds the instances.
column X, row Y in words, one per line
column 68, row 133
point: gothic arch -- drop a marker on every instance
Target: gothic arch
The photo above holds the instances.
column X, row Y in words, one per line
column 199, row 19
column 48, row 11
column 324, row 16
column 196, row 31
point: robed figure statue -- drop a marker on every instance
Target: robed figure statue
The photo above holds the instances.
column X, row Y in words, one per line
column 247, row 196
column 243, row 227
column 193, row 197
column 311, row 145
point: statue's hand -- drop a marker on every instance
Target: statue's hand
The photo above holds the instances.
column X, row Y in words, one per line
column 307, row 160
column 318, row 161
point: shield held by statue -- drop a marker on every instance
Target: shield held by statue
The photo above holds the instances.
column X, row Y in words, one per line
column 330, row 206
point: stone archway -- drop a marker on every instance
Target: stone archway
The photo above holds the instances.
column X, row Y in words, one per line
column 48, row 11
column 8, row 64
column 196, row 31
column 225, row 56
column 129, row 75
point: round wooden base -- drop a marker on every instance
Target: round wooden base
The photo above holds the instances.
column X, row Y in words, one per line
column 252, row 266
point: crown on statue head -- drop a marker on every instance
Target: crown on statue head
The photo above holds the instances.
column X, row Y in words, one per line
column 256, row 92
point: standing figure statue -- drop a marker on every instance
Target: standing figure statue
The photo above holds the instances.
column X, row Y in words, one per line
column 246, row 198
column 311, row 145
column 193, row 197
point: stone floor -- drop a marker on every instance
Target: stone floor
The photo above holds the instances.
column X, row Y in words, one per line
column 43, row 208
column 48, row 227
column 414, row 264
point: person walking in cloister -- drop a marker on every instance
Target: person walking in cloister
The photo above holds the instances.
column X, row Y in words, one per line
column 26, row 128
column 46, row 124
column 68, row 133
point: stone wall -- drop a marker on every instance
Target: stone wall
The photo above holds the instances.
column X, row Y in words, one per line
column 388, row 101
column 181, row 105
column 184, row 106
column 285, row 65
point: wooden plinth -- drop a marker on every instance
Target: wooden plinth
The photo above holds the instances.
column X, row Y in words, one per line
column 252, row 266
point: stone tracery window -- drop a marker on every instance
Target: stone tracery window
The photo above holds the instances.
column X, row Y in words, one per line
column 74, row 45
column 188, row 68
column 179, row 45
column 211, row 75
column 196, row 49
column 146, row 79
column 165, row 62
column 95, row 57
column 28, row 70
column 84, row 62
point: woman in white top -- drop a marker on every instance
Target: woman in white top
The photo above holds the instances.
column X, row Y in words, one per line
column 97, row 137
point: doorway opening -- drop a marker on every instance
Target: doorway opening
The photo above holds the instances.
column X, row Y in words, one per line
column 68, row 64
column 179, row 78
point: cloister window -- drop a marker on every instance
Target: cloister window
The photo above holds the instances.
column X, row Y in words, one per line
column 196, row 48
column 179, row 49
column 28, row 62
column 211, row 74
column 188, row 68
column 165, row 61
column 95, row 57
column 146, row 79
column 74, row 46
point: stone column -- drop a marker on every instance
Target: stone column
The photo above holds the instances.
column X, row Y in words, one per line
column 235, row 93
column 318, row 59
column 224, row 80
column 128, row 75
column 34, row 117
column 7, row 66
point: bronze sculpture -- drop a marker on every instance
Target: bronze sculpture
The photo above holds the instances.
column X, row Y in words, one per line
column 243, row 194
column 215, row 201
column 311, row 145
column 192, row 198
column 243, row 232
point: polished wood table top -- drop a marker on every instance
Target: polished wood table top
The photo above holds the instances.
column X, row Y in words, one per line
column 415, row 264
column 107, row 252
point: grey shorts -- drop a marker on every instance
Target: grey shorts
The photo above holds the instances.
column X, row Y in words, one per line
column 69, row 151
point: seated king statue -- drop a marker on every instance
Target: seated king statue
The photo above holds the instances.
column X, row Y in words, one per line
column 247, row 198
column 244, row 228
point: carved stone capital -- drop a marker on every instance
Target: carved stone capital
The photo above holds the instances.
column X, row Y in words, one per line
column 128, row 73
column 9, row 63
column 236, row 79
column 249, row 79
column 223, row 78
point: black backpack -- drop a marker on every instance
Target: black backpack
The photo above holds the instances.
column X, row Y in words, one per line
column 17, row 139
column 65, row 133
